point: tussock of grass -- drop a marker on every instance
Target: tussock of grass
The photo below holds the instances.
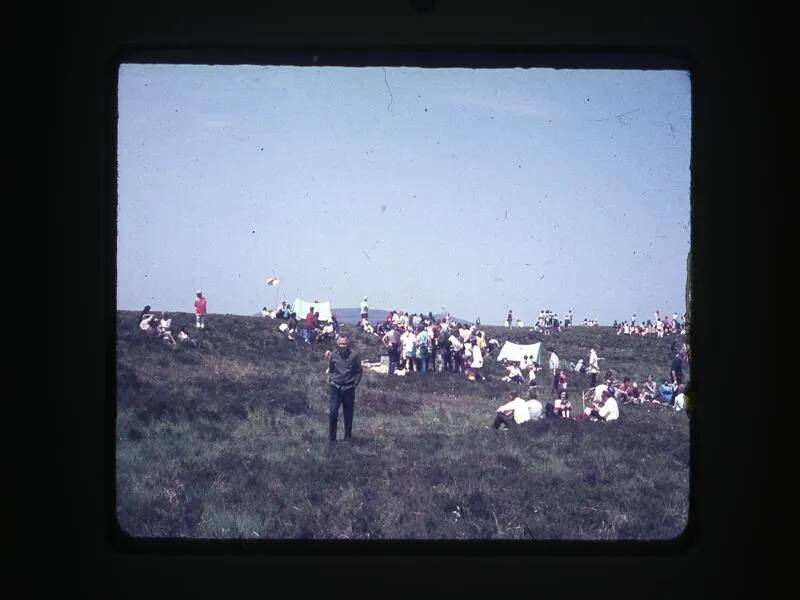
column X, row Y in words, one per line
column 229, row 440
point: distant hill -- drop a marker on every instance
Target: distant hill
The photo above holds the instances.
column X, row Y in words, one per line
column 351, row 316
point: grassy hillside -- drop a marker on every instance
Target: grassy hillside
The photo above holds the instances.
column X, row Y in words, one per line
column 230, row 441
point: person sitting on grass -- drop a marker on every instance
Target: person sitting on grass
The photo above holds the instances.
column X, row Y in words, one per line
column 634, row 396
column 532, row 374
column 517, row 411
column 183, row 336
column 624, row 390
column 680, row 397
column 605, row 410
column 327, row 332
column 292, row 323
column 665, row 393
column 649, row 391
column 148, row 324
column 514, row 374
column 562, row 405
column 164, row 326
column 145, row 312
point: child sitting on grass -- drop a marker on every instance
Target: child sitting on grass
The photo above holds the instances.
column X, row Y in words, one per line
column 562, row 405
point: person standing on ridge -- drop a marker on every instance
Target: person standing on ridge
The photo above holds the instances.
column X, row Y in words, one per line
column 364, row 309
column 200, row 310
column 509, row 319
column 344, row 373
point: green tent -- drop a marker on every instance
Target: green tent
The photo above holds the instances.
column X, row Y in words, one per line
column 301, row 308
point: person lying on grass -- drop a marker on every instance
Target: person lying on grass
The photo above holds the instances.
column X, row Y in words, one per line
column 517, row 411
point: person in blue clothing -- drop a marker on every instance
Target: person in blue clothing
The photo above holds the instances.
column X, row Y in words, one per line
column 665, row 392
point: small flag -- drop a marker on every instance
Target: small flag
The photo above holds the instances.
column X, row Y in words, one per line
column 273, row 281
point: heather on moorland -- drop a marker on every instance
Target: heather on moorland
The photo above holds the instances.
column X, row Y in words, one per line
column 229, row 440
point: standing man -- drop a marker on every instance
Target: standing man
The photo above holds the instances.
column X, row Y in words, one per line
column 200, row 310
column 554, row 365
column 344, row 374
column 509, row 319
column 676, row 370
column 391, row 341
column 310, row 331
column 364, row 309
column 594, row 367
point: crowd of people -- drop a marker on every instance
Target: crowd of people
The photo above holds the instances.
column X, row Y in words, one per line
column 656, row 326
column 415, row 342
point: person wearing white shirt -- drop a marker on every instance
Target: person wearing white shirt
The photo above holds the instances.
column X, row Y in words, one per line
column 477, row 362
column 408, row 341
column 554, row 364
column 605, row 410
column 680, row 398
column 164, row 326
column 514, row 374
column 144, row 324
column 364, row 308
column 517, row 411
column 594, row 367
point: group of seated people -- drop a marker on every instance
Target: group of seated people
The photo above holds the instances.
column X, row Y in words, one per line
column 518, row 410
column 284, row 311
column 312, row 328
column 669, row 392
column 658, row 328
column 161, row 328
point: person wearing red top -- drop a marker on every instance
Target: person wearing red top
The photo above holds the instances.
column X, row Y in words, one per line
column 200, row 309
column 311, row 325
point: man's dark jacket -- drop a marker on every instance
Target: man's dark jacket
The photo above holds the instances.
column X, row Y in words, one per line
column 345, row 371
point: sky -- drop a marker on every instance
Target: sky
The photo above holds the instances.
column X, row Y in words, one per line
column 474, row 191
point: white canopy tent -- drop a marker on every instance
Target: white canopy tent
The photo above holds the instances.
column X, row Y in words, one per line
column 301, row 308
column 515, row 352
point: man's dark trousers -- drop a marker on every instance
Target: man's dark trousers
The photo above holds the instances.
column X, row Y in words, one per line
column 345, row 398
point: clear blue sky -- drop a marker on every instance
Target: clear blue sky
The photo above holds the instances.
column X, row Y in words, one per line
column 476, row 190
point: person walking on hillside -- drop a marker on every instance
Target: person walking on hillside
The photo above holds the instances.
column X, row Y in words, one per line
column 344, row 373
column 200, row 310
